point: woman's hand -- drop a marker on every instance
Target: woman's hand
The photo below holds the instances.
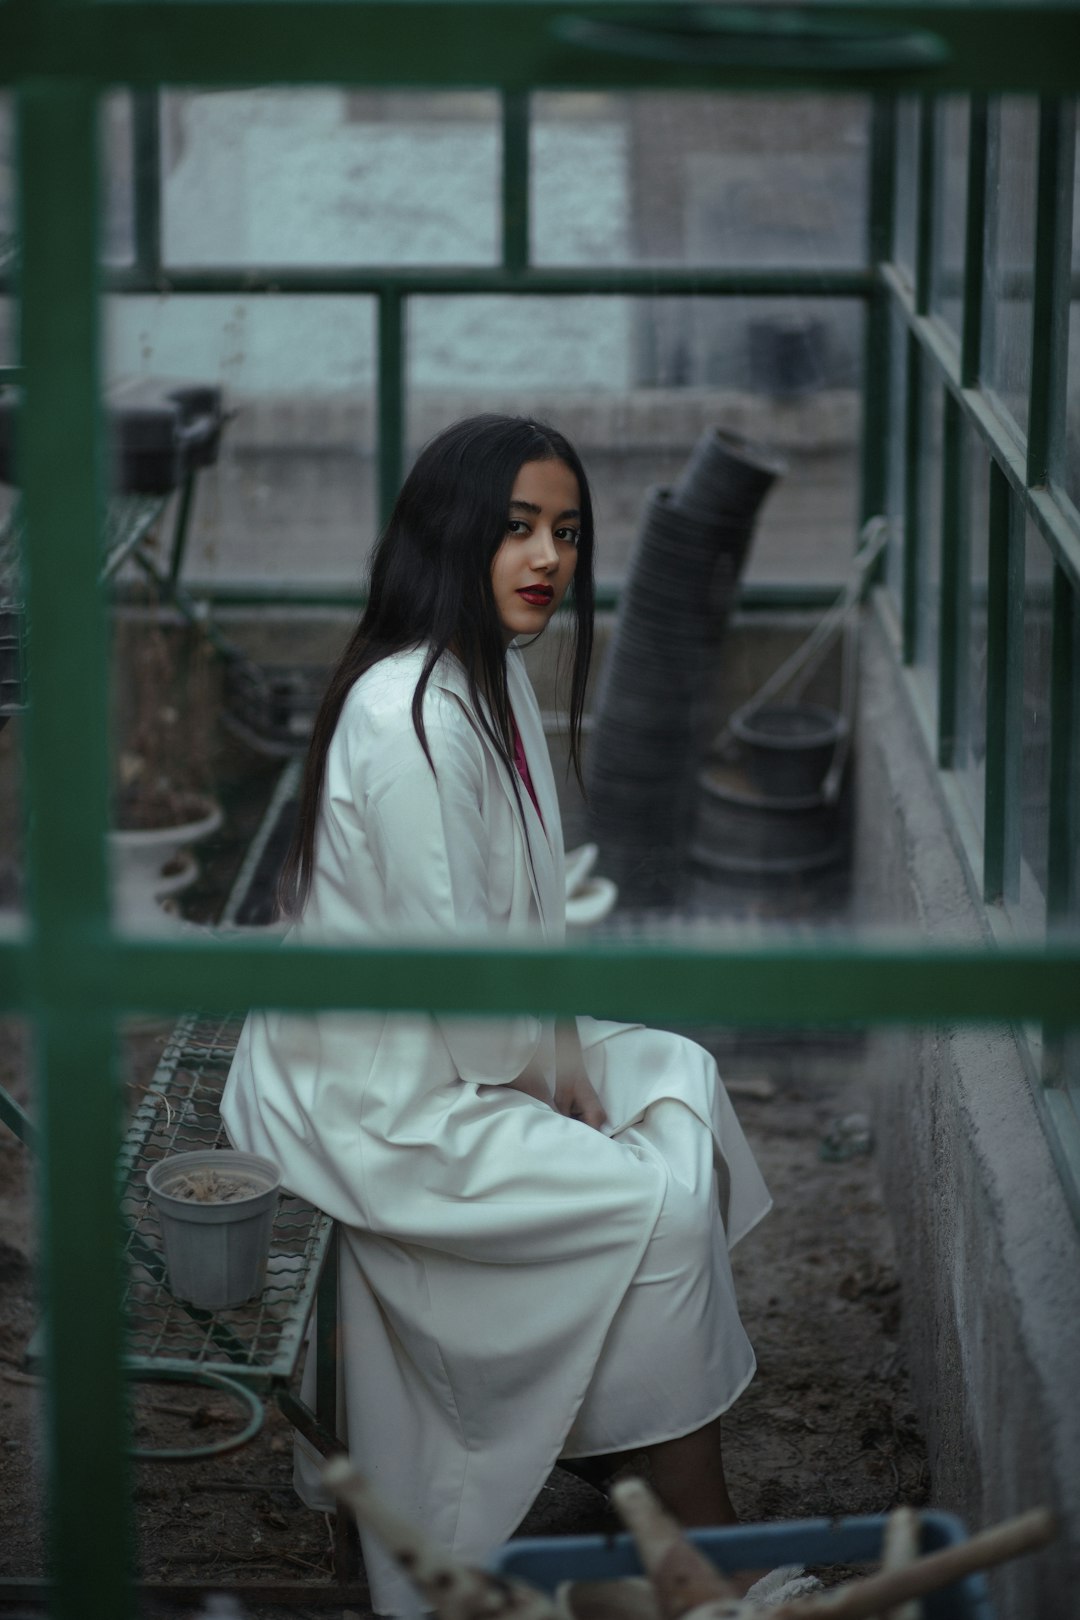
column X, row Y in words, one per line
column 575, row 1095
column 576, row 1098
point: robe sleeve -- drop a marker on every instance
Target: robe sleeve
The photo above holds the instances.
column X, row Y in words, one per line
column 431, row 845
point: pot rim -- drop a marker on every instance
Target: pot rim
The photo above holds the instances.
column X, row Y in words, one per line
column 180, row 832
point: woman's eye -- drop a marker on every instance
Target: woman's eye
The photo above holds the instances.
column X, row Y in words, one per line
column 516, row 526
column 571, row 536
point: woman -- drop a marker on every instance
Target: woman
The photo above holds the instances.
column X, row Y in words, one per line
column 535, row 1220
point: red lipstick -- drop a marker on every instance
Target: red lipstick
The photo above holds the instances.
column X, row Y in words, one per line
column 537, row 595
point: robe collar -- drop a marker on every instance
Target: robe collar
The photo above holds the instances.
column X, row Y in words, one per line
column 541, row 839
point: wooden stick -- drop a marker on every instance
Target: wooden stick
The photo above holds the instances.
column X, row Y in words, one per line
column 860, row 1600
column 901, row 1548
column 455, row 1591
column 682, row 1578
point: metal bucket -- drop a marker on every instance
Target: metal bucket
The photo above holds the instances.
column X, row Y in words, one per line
column 216, row 1252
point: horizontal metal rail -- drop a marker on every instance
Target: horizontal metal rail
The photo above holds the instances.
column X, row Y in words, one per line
column 631, row 281
column 936, row 47
column 790, row 983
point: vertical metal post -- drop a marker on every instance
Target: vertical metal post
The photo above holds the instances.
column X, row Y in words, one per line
column 974, row 244
column 913, row 542
column 1050, row 305
column 1064, row 821
column 146, row 139
column 952, row 616
column 925, row 204
column 1004, row 691
column 391, row 399
column 67, row 784
column 515, row 180
column 877, row 351
column 181, row 528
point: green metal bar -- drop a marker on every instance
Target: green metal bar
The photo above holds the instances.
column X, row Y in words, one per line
column 515, row 181
column 1064, row 812
column 951, row 620
column 391, row 446
column 766, row 597
column 974, row 244
column 181, row 528
column 60, row 466
column 997, row 631
column 926, row 205
column 1004, row 692
column 10, row 374
column 1055, row 517
column 17, row 1120
column 1023, row 47
column 877, row 349
column 326, row 1340
column 632, row 281
column 1050, row 305
column 146, row 135
column 913, row 536
column 861, row 982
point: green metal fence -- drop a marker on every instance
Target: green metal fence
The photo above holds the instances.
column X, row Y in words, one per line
column 72, row 976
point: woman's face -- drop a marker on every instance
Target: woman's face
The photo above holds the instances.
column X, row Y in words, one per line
column 536, row 561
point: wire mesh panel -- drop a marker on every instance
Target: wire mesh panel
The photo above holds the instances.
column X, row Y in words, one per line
column 259, row 1341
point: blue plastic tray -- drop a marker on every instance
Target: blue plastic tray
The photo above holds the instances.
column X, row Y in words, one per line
column 548, row 1561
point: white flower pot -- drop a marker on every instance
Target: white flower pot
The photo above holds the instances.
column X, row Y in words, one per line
column 215, row 1252
column 139, row 858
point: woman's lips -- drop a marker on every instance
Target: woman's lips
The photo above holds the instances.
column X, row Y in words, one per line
column 537, row 595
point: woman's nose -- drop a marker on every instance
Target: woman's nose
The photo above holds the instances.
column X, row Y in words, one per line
column 544, row 553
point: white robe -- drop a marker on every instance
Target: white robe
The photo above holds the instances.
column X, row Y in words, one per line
column 514, row 1284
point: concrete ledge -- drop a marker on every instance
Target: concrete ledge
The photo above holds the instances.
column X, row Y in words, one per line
column 989, row 1251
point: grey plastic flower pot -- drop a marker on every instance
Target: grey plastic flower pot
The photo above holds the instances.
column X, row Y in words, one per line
column 215, row 1252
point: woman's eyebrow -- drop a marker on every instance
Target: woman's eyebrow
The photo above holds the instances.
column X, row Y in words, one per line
column 528, row 506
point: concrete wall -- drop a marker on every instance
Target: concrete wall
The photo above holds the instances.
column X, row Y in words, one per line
column 989, row 1250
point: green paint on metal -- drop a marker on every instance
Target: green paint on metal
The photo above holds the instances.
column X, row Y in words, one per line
column 201, row 596
column 951, row 598
column 17, row 1120
column 1054, row 517
column 737, row 981
column 67, row 787
column 1064, row 808
column 515, row 181
column 465, row 43
column 326, row 1338
column 1014, row 700
column 913, row 480
column 1004, row 692
column 997, row 630
column 926, row 209
column 146, row 177
column 391, row 446
column 877, row 348
column 181, row 529
column 974, row 244
column 1052, row 280
column 749, row 281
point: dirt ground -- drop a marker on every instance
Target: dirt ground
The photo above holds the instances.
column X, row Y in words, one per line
column 827, row 1427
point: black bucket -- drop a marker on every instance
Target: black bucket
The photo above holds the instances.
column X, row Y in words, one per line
column 788, row 747
column 743, row 833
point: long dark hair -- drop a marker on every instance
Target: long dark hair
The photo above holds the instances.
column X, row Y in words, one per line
column 430, row 586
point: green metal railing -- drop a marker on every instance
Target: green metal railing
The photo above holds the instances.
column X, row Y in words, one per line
column 68, row 972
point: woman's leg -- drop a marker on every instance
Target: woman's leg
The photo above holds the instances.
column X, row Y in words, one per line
column 688, row 1474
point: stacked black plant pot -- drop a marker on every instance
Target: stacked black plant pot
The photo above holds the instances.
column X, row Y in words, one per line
column 654, row 711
